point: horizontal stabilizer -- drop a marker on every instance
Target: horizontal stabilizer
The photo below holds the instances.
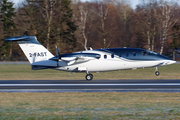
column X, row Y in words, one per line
column 19, row 38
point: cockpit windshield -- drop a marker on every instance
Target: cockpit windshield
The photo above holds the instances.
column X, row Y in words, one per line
column 146, row 53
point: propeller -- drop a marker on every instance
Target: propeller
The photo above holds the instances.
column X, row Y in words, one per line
column 57, row 55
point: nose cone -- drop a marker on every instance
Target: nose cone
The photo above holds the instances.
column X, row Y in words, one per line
column 166, row 60
column 172, row 62
column 169, row 62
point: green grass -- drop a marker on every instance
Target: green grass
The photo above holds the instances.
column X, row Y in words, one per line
column 88, row 106
column 24, row 72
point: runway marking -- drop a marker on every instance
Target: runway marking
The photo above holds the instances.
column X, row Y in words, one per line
column 138, row 84
column 90, row 90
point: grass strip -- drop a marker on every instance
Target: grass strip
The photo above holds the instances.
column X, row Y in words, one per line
column 24, row 72
column 88, row 106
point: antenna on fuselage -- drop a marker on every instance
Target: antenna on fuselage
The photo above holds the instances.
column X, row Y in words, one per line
column 90, row 48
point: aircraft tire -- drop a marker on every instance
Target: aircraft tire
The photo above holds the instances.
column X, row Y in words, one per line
column 89, row 77
column 157, row 73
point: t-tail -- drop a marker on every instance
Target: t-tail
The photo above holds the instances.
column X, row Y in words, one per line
column 34, row 51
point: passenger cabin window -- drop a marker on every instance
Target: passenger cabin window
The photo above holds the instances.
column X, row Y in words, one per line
column 105, row 56
column 134, row 54
column 112, row 56
column 127, row 54
column 119, row 54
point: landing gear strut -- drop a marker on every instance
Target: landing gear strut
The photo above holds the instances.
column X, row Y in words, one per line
column 157, row 73
column 89, row 76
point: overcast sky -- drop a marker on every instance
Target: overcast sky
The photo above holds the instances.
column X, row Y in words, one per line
column 133, row 2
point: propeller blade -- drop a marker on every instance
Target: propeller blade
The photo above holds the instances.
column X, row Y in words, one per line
column 56, row 52
column 57, row 55
column 57, row 64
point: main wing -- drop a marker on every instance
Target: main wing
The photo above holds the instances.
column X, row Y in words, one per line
column 75, row 58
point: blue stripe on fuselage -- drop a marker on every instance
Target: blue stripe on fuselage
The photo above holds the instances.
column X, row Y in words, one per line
column 81, row 55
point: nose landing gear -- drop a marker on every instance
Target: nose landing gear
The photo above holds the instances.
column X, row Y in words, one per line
column 157, row 73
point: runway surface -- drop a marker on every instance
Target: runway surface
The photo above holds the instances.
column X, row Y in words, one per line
column 90, row 86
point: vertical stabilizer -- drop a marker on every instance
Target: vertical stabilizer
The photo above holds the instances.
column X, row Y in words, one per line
column 33, row 50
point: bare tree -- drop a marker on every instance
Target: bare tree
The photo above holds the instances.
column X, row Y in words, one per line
column 168, row 19
column 102, row 10
column 82, row 24
column 148, row 16
column 80, row 15
column 47, row 10
column 124, row 10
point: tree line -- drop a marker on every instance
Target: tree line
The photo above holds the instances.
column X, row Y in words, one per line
column 74, row 25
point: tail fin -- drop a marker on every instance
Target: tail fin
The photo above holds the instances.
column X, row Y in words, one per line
column 33, row 50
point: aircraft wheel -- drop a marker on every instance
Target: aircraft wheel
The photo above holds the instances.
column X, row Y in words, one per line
column 157, row 73
column 89, row 77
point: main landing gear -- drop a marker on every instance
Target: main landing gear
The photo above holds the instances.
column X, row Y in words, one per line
column 89, row 76
column 157, row 73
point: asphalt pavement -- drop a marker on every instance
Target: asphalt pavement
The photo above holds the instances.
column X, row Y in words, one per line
column 90, row 86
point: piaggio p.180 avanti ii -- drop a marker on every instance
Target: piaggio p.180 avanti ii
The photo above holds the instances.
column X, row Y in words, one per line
column 88, row 61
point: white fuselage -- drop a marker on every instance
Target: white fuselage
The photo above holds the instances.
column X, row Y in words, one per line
column 109, row 64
